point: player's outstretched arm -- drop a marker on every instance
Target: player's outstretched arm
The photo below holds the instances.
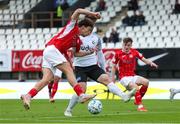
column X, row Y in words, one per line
column 79, row 11
column 83, row 53
column 148, row 62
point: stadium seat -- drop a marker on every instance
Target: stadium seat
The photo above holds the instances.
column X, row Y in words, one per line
column 173, row 33
column 38, row 31
column 156, row 17
column 167, row 22
column 162, row 28
column 156, row 33
column 128, row 28
column 145, row 28
column 137, row 28
column 131, row 34
column 110, row 45
column 147, row 34
column 139, row 34
column 170, row 28
column 164, row 33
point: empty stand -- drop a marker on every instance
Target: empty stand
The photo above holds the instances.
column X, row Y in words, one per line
column 26, row 38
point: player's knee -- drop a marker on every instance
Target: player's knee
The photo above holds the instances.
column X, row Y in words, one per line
column 47, row 79
column 146, row 82
column 131, row 86
column 56, row 79
column 67, row 69
column 104, row 78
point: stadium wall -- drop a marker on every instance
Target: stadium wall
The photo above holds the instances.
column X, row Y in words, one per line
column 156, row 90
column 30, row 61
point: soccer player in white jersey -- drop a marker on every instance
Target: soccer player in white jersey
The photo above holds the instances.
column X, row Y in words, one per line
column 173, row 92
column 86, row 66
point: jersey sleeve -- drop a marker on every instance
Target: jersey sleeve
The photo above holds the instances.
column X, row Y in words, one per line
column 99, row 44
column 69, row 27
column 138, row 54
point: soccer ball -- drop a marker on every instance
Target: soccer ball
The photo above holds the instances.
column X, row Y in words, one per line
column 95, row 106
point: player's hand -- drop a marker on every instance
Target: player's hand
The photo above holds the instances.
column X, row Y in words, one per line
column 93, row 50
column 96, row 15
column 152, row 64
column 113, row 79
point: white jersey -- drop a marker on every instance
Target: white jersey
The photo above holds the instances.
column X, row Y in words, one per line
column 89, row 42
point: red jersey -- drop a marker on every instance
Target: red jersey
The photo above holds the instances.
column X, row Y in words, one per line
column 127, row 62
column 68, row 37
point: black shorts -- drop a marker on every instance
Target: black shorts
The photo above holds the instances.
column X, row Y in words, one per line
column 93, row 72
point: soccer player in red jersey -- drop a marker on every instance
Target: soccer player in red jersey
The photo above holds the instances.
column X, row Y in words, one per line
column 125, row 59
column 53, row 55
column 53, row 85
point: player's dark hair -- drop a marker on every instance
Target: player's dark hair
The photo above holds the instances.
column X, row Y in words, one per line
column 127, row 39
column 86, row 22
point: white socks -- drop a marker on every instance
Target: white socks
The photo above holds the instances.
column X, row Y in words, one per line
column 73, row 101
column 177, row 90
column 115, row 90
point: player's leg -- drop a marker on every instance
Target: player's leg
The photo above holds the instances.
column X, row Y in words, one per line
column 50, row 87
column 173, row 92
column 57, row 78
column 113, row 88
column 73, row 101
column 54, row 89
column 47, row 76
column 143, row 82
column 81, row 77
column 102, row 77
column 56, row 59
column 66, row 68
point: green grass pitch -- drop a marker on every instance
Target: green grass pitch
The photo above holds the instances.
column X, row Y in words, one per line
column 114, row 111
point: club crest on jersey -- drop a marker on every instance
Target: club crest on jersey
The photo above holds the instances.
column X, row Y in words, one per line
column 130, row 56
column 93, row 42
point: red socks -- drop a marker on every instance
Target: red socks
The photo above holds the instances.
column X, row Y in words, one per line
column 50, row 87
column 78, row 89
column 138, row 98
column 32, row 92
column 143, row 90
column 54, row 89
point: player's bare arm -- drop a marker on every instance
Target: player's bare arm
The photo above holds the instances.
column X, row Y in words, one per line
column 83, row 53
column 79, row 11
column 148, row 62
column 113, row 71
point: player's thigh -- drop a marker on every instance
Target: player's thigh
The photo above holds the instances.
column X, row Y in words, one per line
column 47, row 75
column 97, row 74
column 142, row 81
column 65, row 67
column 132, row 85
column 53, row 56
column 81, row 75
column 57, row 75
column 128, row 82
